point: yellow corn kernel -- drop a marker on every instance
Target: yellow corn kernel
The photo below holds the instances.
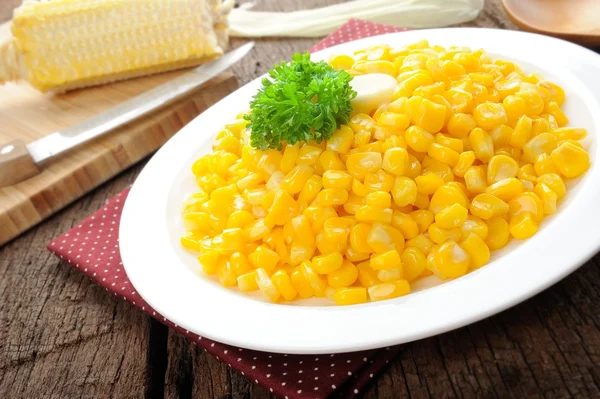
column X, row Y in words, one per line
column 239, row 263
column 311, row 190
column 507, row 87
column 527, row 172
column 557, row 94
column 522, row 132
column 482, row 144
column 332, row 196
column 474, row 225
column 392, row 289
column 298, row 252
column 345, row 276
column 414, row 167
column 329, row 160
column 316, row 282
column 369, row 214
column 555, row 183
column 527, row 202
column 353, row 203
column 359, row 188
column 383, row 238
column 498, row 233
column 355, row 256
column 282, row 209
column 367, row 276
column 569, row 133
column 447, row 195
column 407, row 86
column 460, row 125
column 548, row 197
column 544, row 164
column 465, row 161
column 379, row 181
column 406, row 224
column 209, row 261
column 394, row 142
column 302, row 230
column 341, row 140
column 501, row 135
column 506, row 189
column 451, row 216
column 429, row 116
column 543, row 143
column 395, row 161
column 478, row 251
column 301, row 285
column 350, row 296
column 255, row 196
column 247, row 282
column 418, row 139
column 379, row 199
column 421, row 201
column 324, row 264
column 296, row 179
column 308, row 155
column 404, row 191
column 256, row 230
column 475, row 179
column 487, row 206
column 282, row 282
column 413, row 263
column 489, row 115
column 264, row 257
column 570, row 160
column 359, row 164
column 266, row 286
column 429, row 91
column 395, row 121
column 443, row 154
column 423, row 218
column 361, row 122
column 452, row 68
column 232, row 240
column 288, row 160
column 534, row 104
column 252, row 180
column 341, row 62
column 388, row 275
column 514, row 107
column 449, row 142
column 450, row 260
column 540, row 125
column 386, row 260
column 428, row 183
column 523, row 226
column 337, row 179
column 440, row 235
column 421, row 242
column 226, row 275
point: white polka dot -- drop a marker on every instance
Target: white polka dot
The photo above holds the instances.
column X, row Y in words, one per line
column 332, row 374
column 333, row 386
column 299, row 390
column 299, row 381
column 283, row 384
column 356, row 391
column 316, row 378
column 316, row 388
column 349, row 372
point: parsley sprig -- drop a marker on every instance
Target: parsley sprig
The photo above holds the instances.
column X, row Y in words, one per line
column 302, row 101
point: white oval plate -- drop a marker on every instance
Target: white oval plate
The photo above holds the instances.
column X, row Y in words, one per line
column 167, row 277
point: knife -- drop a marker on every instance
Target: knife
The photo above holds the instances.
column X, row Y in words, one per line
column 19, row 161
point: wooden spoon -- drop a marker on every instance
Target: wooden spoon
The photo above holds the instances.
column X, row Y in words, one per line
column 573, row 20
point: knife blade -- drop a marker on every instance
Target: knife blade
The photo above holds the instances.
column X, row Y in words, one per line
column 136, row 107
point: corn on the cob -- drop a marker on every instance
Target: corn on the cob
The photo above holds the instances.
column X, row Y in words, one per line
column 66, row 44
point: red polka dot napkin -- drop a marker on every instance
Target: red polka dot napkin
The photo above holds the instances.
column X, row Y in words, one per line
column 93, row 248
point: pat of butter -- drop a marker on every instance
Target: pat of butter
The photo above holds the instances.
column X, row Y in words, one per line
column 372, row 90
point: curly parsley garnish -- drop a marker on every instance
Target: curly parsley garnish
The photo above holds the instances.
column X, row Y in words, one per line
column 303, row 100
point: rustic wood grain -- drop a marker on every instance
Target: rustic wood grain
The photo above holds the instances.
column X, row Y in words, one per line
column 61, row 336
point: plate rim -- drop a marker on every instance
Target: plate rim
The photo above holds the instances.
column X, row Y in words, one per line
column 584, row 249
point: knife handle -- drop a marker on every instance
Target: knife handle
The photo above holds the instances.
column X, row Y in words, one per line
column 16, row 164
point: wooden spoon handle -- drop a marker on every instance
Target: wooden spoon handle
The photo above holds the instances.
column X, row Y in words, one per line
column 16, row 164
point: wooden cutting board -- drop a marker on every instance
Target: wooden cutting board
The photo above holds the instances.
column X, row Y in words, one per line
column 27, row 115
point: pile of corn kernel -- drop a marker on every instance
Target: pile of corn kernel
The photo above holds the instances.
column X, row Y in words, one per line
column 469, row 152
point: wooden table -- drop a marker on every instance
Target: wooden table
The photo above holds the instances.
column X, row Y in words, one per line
column 62, row 336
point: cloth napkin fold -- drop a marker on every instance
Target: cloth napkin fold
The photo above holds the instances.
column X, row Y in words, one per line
column 92, row 247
